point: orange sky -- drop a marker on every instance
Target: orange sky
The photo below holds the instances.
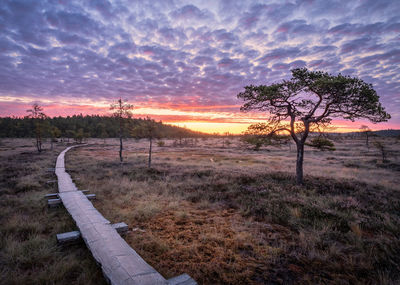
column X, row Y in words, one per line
column 237, row 128
column 208, row 119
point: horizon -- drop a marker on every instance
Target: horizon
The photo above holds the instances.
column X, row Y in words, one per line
column 184, row 62
column 205, row 125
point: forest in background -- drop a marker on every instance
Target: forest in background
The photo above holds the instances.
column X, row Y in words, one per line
column 94, row 126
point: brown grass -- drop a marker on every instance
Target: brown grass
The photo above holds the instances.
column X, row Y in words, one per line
column 28, row 250
column 222, row 215
column 233, row 216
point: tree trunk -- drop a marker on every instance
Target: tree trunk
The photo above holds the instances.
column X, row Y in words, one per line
column 38, row 141
column 120, row 139
column 299, row 163
column 120, row 149
column 383, row 155
column 151, row 141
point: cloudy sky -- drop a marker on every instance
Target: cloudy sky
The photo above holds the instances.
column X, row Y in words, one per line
column 185, row 61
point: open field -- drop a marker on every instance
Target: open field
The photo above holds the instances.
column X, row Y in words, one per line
column 28, row 249
column 222, row 215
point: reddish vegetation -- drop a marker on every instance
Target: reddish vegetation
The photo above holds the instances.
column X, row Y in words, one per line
column 212, row 245
column 191, row 245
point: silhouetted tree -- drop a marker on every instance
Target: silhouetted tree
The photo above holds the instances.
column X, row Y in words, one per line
column 79, row 135
column 149, row 129
column 365, row 131
column 102, row 131
column 54, row 133
column 381, row 147
column 92, row 126
column 310, row 99
column 69, row 134
column 122, row 110
column 225, row 139
column 180, row 134
column 36, row 113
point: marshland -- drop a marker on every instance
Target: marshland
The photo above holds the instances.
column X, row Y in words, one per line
column 210, row 207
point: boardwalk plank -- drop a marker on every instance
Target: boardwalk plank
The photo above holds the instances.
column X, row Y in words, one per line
column 119, row 262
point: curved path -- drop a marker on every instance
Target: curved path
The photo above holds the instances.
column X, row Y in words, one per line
column 119, row 262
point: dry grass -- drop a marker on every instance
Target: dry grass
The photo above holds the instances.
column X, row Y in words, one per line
column 222, row 215
column 28, row 250
column 233, row 216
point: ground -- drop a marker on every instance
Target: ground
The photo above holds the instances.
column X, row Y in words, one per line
column 224, row 215
column 28, row 249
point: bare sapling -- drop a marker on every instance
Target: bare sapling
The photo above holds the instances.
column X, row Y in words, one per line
column 122, row 112
column 36, row 113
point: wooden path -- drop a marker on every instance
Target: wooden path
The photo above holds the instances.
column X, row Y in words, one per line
column 119, row 262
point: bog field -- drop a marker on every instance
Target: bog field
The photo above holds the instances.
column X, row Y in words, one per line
column 212, row 208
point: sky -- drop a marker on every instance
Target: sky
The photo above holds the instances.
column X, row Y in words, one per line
column 184, row 62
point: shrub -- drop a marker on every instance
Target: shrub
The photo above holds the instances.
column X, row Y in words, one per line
column 382, row 149
column 254, row 141
column 322, row 144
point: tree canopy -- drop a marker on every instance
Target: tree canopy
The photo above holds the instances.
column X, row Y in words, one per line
column 311, row 99
column 94, row 126
column 121, row 110
column 149, row 129
column 314, row 97
column 37, row 115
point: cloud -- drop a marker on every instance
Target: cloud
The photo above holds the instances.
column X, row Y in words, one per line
column 280, row 54
column 177, row 51
column 297, row 64
column 104, row 7
column 191, row 12
column 71, row 39
column 72, row 22
column 202, row 60
column 296, row 27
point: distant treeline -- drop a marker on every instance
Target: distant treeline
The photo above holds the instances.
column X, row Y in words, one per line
column 381, row 133
column 387, row 133
column 93, row 126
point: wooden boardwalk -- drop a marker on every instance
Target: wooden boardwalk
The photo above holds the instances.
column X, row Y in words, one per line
column 119, row 262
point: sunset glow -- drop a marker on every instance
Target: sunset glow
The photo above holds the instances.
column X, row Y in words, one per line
column 184, row 62
column 197, row 118
column 210, row 128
